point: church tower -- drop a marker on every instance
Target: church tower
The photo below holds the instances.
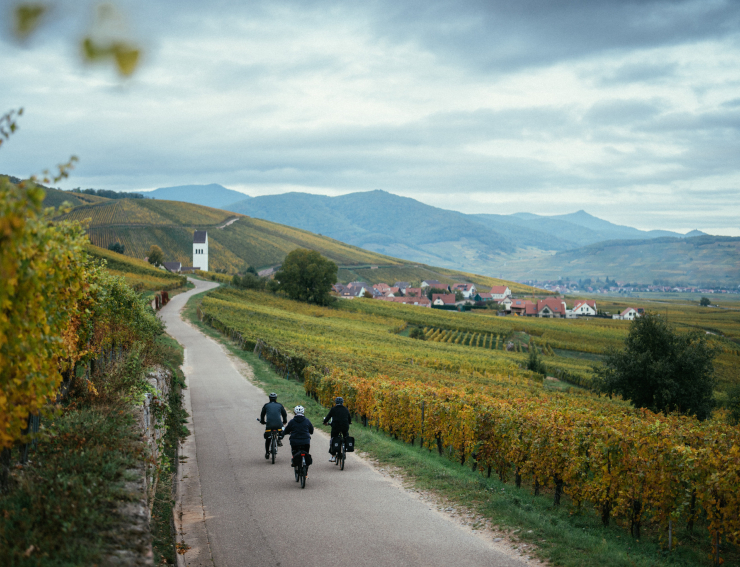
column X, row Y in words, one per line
column 200, row 250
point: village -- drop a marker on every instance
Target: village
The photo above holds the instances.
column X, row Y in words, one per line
column 465, row 296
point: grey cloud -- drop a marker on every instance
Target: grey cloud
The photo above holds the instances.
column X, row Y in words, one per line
column 638, row 73
column 622, row 112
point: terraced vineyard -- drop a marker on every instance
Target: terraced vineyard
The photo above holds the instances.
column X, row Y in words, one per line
column 140, row 275
column 460, row 395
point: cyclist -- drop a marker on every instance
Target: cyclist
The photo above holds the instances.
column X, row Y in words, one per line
column 300, row 430
column 273, row 416
column 340, row 422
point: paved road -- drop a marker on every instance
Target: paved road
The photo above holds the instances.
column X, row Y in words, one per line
column 255, row 512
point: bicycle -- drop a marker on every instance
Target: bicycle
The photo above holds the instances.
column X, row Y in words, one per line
column 275, row 434
column 340, row 451
column 301, row 470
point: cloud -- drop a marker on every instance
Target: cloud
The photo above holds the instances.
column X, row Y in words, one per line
column 621, row 108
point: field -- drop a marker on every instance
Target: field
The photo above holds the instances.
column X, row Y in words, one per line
column 140, row 275
column 457, row 392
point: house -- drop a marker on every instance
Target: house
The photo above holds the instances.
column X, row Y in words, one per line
column 413, row 292
column 551, row 307
column 443, row 299
column 585, row 307
column 338, row 288
column 468, row 289
column 173, row 267
column 200, row 250
column 629, row 314
column 393, row 292
column 505, row 303
column 402, row 285
column 500, row 292
column 482, row 296
column 356, row 289
column 523, row 308
column 188, row 269
column 382, row 287
column 418, row 301
column 436, row 284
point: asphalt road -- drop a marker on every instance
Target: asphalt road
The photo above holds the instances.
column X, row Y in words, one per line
column 255, row 512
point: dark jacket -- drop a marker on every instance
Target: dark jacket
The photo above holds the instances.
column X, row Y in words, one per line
column 340, row 417
column 275, row 415
column 300, row 430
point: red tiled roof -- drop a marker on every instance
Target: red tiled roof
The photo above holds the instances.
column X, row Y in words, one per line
column 462, row 286
column 498, row 289
column 555, row 305
column 447, row 298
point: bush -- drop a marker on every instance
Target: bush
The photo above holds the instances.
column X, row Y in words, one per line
column 417, row 333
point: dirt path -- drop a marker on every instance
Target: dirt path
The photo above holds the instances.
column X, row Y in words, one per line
column 239, row 509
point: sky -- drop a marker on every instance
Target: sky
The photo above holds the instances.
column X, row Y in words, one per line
column 629, row 110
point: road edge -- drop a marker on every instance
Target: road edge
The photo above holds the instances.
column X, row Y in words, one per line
column 191, row 534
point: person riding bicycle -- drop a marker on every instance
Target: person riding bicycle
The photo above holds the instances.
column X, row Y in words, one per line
column 340, row 422
column 273, row 416
column 300, row 430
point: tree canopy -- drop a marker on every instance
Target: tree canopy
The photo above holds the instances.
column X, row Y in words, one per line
column 307, row 276
column 660, row 369
column 156, row 256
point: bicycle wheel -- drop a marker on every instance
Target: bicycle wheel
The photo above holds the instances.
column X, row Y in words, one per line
column 273, row 448
column 303, row 476
column 295, row 470
column 342, row 456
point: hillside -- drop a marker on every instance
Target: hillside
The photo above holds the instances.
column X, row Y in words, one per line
column 237, row 241
column 213, row 195
column 697, row 260
column 139, row 274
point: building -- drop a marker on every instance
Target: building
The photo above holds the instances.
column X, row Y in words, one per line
column 585, row 307
column 499, row 292
column 629, row 314
column 200, row 250
column 436, row 284
column 418, row 301
column 468, row 289
column 173, row 267
column 551, row 307
column 402, row 285
column 443, row 299
column 523, row 308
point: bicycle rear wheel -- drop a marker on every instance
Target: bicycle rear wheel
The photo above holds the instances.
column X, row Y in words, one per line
column 342, row 456
column 273, row 448
column 303, row 476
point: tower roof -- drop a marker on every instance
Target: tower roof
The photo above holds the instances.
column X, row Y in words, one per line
column 200, row 237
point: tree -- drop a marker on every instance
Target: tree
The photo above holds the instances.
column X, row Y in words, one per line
column 156, row 256
column 660, row 369
column 307, row 276
column 733, row 405
column 459, row 295
column 534, row 363
column 116, row 247
column 417, row 333
column 432, row 290
column 704, row 302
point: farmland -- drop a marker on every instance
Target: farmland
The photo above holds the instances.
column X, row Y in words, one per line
column 475, row 402
column 140, row 275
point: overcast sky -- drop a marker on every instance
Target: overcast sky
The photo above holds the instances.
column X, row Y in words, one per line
column 628, row 110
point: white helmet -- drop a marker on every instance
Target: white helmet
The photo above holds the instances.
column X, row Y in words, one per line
column 299, row 410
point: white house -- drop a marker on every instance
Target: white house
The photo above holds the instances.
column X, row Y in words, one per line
column 200, row 250
column 585, row 307
column 468, row 289
column 499, row 292
column 629, row 314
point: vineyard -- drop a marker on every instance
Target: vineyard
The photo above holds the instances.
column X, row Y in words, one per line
column 465, row 398
column 139, row 274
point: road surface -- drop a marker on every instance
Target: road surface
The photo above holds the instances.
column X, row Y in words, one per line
column 254, row 513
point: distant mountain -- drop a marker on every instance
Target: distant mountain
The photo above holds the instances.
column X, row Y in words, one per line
column 213, row 195
column 402, row 227
column 699, row 260
column 387, row 224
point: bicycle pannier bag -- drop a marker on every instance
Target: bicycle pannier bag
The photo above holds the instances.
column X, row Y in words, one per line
column 336, row 445
column 268, row 434
column 349, row 444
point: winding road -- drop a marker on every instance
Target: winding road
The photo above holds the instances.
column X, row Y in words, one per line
column 237, row 509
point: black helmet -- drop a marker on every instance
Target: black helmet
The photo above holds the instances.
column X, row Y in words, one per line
column 339, row 401
column 273, row 396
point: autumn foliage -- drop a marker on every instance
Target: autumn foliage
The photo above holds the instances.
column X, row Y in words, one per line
column 58, row 311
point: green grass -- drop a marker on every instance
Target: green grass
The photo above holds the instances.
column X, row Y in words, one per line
column 563, row 535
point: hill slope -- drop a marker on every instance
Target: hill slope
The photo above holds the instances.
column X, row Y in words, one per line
column 237, row 241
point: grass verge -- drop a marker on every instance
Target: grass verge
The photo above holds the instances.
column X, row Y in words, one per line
column 563, row 535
